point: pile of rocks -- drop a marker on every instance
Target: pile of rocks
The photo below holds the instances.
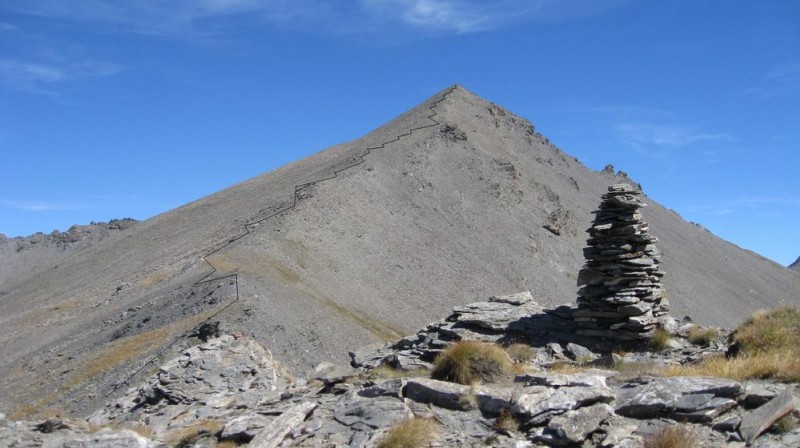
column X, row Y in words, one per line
column 621, row 296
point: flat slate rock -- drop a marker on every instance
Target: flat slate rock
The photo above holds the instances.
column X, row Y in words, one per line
column 663, row 397
column 573, row 427
column 757, row 421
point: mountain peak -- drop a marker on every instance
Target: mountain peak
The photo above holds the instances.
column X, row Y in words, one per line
column 455, row 200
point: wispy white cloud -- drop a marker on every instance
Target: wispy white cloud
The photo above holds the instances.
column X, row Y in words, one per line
column 664, row 135
column 465, row 16
column 440, row 15
column 779, row 80
column 763, row 205
column 182, row 18
column 41, row 206
column 43, row 77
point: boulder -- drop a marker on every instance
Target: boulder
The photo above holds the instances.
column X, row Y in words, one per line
column 573, row 427
column 588, row 378
column 539, row 400
column 105, row 438
column 244, row 428
column 490, row 400
column 697, row 398
column 272, row 436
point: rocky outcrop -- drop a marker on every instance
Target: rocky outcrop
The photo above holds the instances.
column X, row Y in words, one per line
column 232, row 389
column 796, row 265
column 621, row 296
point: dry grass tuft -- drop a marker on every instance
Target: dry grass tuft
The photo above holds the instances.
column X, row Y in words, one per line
column 506, row 422
column 520, row 352
column 768, row 347
column 770, row 331
column 387, row 372
column 470, row 362
column 227, row 444
column 673, row 436
column 785, row 424
column 565, row 367
column 139, row 428
column 410, row 433
column 186, row 437
column 660, row 340
column 702, row 336
column 781, row 365
column 628, row 370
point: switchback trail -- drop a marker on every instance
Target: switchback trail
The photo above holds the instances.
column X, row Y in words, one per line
column 210, row 277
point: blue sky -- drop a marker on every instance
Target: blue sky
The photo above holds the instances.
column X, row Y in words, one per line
column 120, row 108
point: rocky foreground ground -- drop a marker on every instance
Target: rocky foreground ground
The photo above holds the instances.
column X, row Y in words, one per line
column 230, row 391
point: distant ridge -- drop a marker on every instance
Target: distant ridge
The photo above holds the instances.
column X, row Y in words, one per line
column 361, row 243
column 796, row 265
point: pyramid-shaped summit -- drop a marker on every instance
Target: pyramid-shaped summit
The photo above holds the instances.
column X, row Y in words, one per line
column 451, row 202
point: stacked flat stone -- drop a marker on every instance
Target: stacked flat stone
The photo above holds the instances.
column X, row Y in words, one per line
column 620, row 296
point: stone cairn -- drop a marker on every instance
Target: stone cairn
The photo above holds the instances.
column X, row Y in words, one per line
column 620, row 295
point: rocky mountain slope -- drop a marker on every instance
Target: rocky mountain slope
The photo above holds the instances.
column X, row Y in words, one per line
column 795, row 265
column 24, row 257
column 231, row 390
column 363, row 242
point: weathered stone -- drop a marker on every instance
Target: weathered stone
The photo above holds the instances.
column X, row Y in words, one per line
column 705, row 412
column 391, row 388
column 539, row 400
column 607, row 360
column 490, row 400
column 224, row 372
column 588, row 378
column 331, row 374
column 439, row 393
column 517, row 299
column 661, row 397
column 106, row 438
column 273, row 435
column 757, row 421
column 243, row 428
column 493, row 400
column 555, row 349
column 758, row 393
column 495, row 316
column 573, row 427
column 620, row 435
column 369, row 356
column 579, row 352
column 727, row 424
column 360, row 413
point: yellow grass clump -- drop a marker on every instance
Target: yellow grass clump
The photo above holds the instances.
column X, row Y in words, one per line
column 520, row 352
column 770, row 331
column 470, row 362
column 186, row 437
column 702, row 336
column 660, row 340
column 768, row 346
column 410, row 433
column 387, row 372
column 673, row 436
